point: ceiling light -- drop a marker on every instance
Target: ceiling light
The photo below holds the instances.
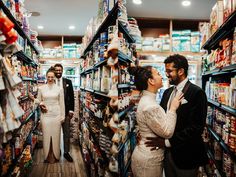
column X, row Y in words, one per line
column 186, row 3
column 137, row 2
column 71, row 27
column 40, row 27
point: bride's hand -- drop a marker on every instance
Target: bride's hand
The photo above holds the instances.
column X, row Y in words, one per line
column 43, row 108
column 176, row 101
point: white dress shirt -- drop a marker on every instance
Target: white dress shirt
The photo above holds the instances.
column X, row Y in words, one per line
column 179, row 88
column 60, row 84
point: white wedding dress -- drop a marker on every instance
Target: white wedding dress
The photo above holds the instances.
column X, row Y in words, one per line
column 53, row 98
column 152, row 121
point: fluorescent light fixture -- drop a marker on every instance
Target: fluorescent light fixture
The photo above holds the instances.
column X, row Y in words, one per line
column 186, row 3
column 40, row 27
column 71, row 27
column 137, row 2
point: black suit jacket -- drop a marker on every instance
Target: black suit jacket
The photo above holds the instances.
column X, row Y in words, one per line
column 187, row 147
column 68, row 95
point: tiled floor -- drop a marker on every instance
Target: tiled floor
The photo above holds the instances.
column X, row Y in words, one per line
column 60, row 169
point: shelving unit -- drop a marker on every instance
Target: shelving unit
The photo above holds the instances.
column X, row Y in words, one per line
column 222, row 143
column 107, row 21
column 93, row 99
column 225, row 29
column 220, row 75
column 86, row 114
column 124, row 87
column 17, row 26
column 28, row 121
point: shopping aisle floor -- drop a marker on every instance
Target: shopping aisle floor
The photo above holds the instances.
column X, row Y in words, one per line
column 60, row 169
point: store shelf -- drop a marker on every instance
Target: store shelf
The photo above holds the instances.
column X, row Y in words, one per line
column 28, row 118
column 123, row 86
column 101, row 63
column 23, row 98
column 226, row 28
column 59, row 59
column 222, row 143
column 123, row 113
column 224, row 70
column 17, row 26
column 127, row 166
column 124, row 58
column 211, row 156
column 168, row 53
column 214, row 134
column 223, row 107
column 74, row 76
column 24, row 57
column 89, row 90
column 82, row 88
column 96, row 92
column 87, row 71
column 112, row 16
column 125, row 32
column 28, row 79
column 102, row 94
column 91, row 112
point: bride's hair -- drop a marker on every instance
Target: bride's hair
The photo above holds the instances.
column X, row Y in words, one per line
column 141, row 76
column 51, row 69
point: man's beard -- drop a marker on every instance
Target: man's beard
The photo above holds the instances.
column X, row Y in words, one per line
column 58, row 75
column 174, row 81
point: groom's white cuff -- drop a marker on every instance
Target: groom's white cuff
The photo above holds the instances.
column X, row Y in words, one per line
column 167, row 143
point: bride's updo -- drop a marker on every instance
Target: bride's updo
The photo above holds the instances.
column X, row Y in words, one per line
column 141, row 76
column 51, row 69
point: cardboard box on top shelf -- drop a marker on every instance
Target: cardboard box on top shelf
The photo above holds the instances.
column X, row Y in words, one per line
column 195, row 41
column 165, row 42
column 204, row 29
column 157, row 44
column 216, row 17
column 185, row 44
column 147, row 44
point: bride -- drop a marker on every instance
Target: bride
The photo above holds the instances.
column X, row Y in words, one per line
column 51, row 101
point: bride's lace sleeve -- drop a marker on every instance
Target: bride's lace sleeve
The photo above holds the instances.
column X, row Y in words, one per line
column 62, row 104
column 161, row 123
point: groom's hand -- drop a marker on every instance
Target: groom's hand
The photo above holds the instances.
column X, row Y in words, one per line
column 71, row 114
column 155, row 142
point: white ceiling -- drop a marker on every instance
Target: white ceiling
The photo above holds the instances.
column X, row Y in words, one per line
column 171, row 9
column 57, row 15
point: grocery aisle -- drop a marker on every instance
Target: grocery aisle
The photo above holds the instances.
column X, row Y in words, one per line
column 61, row 169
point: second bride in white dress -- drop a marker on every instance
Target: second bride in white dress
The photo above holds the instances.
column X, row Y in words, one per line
column 51, row 99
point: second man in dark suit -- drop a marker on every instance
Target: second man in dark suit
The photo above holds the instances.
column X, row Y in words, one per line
column 185, row 150
column 67, row 87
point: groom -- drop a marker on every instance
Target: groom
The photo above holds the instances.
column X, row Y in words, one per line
column 185, row 150
column 67, row 87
